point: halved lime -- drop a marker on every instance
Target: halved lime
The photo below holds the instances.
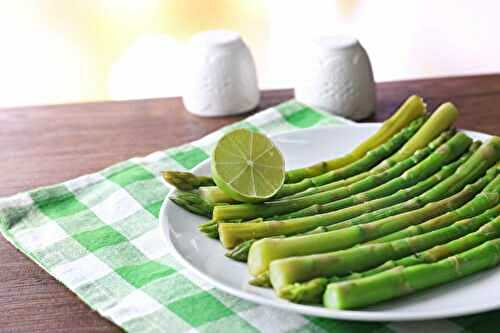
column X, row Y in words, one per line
column 247, row 166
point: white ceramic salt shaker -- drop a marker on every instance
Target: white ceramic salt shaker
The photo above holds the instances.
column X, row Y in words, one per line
column 220, row 75
column 335, row 75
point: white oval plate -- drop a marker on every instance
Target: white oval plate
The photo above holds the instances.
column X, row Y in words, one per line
column 205, row 256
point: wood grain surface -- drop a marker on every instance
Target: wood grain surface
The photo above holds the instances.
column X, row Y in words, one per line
column 44, row 145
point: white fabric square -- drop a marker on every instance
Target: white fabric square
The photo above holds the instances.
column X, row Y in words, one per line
column 116, row 207
column 269, row 320
column 151, row 244
column 209, row 139
column 81, row 271
column 258, row 120
column 82, row 182
column 154, row 157
column 136, row 304
column 40, row 237
column 441, row 326
column 19, row 200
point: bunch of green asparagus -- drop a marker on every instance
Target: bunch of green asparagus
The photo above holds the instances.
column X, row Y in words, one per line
column 415, row 205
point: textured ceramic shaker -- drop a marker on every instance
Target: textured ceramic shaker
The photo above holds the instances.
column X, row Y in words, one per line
column 220, row 75
column 335, row 75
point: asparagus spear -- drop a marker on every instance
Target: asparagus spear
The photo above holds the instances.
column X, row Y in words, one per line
column 470, row 171
column 489, row 194
column 240, row 252
column 233, row 235
column 284, row 272
column 264, row 251
column 441, row 119
column 409, row 178
column 454, row 147
column 487, row 232
column 413, row 108
column 401, row 281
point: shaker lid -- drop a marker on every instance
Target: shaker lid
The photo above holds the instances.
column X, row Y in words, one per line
column 216, row 38
column 330, row 43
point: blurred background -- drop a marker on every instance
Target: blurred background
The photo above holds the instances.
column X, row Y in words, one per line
column 56, row 51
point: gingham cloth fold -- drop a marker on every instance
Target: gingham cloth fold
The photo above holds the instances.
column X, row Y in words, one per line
column 99, row 235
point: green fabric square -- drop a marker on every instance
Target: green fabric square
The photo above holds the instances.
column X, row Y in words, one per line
column 140, row 275
column 56, row 202
column 304, row 118
column 229, row 324
column 344, row 326
column 130, row 175
column 136, row 224
column 117, row 168
column 189, row 158
column 158, row 321
column 299, row 115
column 155, row 208
column 199, row 309
column 121, row 254
column 98, row 238
column 148, row 191
column 104, row 292
column 65, row 207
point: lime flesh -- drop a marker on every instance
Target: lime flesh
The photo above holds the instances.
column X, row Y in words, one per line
column 247, row 166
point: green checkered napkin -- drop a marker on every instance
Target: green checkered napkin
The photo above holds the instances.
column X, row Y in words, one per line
column 99, row 235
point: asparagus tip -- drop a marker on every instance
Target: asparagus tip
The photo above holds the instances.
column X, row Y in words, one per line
column 185, row 181
column 240, row 252
column 261, row 280
column 310, row 292
column 193, row 203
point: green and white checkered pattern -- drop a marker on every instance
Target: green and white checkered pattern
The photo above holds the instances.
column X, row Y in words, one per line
column 98, row 235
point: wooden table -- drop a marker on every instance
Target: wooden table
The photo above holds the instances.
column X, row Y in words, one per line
column 49, row 144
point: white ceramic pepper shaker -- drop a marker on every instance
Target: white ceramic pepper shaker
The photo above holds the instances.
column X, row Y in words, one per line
column 220, row 75
column 335, row 75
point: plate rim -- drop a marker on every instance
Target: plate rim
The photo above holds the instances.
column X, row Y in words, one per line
column 357, row 315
